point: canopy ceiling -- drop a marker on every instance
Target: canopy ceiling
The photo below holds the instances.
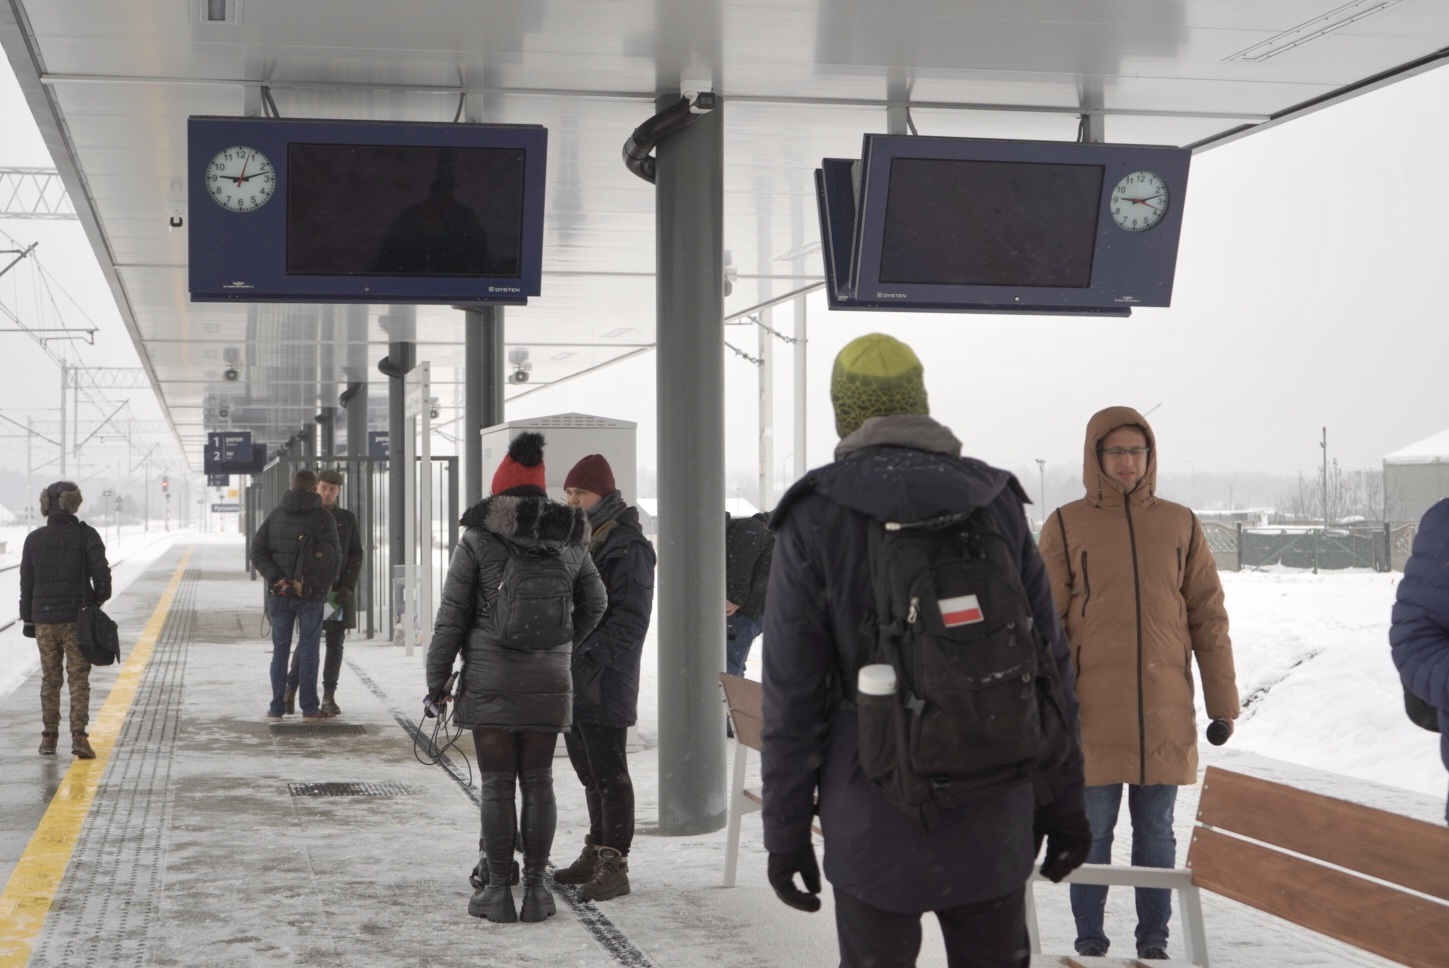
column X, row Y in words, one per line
column 112, row 82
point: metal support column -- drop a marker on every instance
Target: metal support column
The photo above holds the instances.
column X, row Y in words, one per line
column 689, row 202
column 801, row 460
column 327, row 424
column 400, row 359
column 356, row 396
column 482, row 392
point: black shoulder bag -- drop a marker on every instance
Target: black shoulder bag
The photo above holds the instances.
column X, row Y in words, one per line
column 96, row 633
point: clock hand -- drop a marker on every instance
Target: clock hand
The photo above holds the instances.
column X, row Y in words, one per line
column 242, row 177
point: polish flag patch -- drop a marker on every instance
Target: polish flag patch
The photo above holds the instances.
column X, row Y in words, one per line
column 961, row 610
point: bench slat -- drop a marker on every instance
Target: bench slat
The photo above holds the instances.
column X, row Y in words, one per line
column 1385, row 845
column 746, row 701
column 1403, row 927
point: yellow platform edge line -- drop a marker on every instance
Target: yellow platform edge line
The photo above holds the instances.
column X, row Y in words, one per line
column 28, row 895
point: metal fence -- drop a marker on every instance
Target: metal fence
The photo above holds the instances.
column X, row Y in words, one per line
column 365, row 495
column 1380, row 547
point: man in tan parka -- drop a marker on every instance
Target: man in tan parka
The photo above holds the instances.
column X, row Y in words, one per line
column 1137, row 591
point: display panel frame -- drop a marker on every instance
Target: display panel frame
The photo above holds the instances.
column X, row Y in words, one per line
column 240, row 253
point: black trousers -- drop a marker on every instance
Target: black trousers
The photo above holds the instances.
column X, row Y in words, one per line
column 332, row 636
column 991, row 934
column 597, row 753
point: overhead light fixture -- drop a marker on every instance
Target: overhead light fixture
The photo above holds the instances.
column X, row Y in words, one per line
column 1312, row 30
column 798, row 253
column 618, row 331
column 562, row 356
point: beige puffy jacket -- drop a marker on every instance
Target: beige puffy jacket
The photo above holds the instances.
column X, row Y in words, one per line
column 1137, row 591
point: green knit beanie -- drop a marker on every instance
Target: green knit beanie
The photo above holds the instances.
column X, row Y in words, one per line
column 873, row 376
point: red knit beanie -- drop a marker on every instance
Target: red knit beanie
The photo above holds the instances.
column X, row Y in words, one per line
column 522, row 466
column 592, row 474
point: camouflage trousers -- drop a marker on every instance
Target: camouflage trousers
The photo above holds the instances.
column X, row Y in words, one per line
column 60, row 653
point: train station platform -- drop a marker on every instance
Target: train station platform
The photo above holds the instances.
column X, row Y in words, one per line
column 202, row 835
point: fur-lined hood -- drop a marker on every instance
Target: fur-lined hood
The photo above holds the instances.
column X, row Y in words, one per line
column 527, row 519
column 60, row 496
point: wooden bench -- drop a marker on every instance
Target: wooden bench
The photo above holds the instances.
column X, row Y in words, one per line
column 744, row 700
column 1369, row 878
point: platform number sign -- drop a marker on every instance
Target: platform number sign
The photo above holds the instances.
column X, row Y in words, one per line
column 228, row 452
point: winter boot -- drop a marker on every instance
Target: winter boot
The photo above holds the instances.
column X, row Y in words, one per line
column 478, row 876
column 581, row 869
column 80, row 745
column 494, row 900
column 289, row 701
column 540, row 817
column 47, row 743
column 329, row 704
column 611, row 877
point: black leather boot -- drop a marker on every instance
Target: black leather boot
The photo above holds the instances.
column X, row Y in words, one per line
column 494, row 901
column 540, row 817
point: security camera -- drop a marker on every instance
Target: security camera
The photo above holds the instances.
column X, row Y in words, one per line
column 432, row 413
column 519, row 375
column 231, row 375
column 223, row 412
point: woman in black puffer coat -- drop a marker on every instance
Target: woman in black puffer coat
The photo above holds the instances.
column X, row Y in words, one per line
column 516, row 697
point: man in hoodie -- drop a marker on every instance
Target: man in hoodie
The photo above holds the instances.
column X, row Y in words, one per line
column 63, row 562
column 298, row 553
column 1137, row 589
column 606, row 680
column 894, row 463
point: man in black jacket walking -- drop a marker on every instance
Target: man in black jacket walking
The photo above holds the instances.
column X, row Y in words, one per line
column 894, row 463
column 606, row 680
column 296, row 550
column 334, row 631
column 64, row 561
column 748, row 546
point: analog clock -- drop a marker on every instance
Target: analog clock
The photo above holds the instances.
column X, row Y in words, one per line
column 240, row 179
column 1140, row 201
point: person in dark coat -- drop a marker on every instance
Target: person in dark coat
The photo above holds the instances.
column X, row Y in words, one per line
column 1419, row 631
column 606, row 680
column 516, row 702
column 63, row 562
column 748, row 544
column 297, row 551
column 894, row 463
column 349, row 537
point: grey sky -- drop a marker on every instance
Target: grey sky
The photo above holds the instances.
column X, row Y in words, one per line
column 1308, row 295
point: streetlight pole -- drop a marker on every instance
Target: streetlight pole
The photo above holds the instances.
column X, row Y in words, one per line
column 1041, row 468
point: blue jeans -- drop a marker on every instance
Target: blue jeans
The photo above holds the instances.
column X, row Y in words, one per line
column 286, row 612
column 740, row 634
column 1153, row 845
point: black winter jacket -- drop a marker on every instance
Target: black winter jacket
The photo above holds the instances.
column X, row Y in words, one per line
column 60, row 559
column 819, row 592
column 349, row 539
column 748, row 544
column 503, row 688
column 298, row 542
column 606, row 666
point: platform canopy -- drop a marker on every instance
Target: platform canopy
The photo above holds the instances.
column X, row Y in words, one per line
column 111, row 85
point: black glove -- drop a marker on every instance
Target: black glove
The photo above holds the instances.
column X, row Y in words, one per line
column 343, row 595
column 782, row 871
column 1068, row 838
column 29, row 630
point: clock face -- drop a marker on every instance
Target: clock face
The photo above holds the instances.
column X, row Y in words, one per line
column 240, row 179
column 1140, row 201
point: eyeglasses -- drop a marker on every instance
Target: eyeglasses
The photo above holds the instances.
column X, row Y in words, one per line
column 1116, row 453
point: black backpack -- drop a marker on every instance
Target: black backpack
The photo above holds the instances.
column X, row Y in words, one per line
column 533, row 606
column 977, row 706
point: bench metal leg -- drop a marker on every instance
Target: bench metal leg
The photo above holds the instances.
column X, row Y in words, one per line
column 1194, row 933
column 737, row 801
column 1031, row 929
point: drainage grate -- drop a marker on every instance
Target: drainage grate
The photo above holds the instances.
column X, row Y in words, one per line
column 350, row 790
column 316, row 729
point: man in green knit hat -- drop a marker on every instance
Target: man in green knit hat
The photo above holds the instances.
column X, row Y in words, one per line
column 895, row 463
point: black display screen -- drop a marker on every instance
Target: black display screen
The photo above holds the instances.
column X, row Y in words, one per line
column 404, row 210
column 990, row 223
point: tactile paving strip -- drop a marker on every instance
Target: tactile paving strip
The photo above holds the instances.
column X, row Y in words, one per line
column 113, row 884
